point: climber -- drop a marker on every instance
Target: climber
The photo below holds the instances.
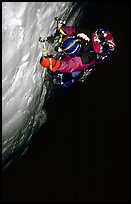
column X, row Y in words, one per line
column 73, row 67
column 80, row 53
column 99, row 44
column 95, row 48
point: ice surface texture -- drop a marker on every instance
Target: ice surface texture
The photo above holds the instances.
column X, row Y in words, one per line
column 23, row 87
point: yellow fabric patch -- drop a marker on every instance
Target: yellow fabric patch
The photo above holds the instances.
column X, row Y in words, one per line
column 50, row 59
column 71, row 44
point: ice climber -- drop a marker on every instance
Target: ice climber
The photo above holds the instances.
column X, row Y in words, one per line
column 80, row 53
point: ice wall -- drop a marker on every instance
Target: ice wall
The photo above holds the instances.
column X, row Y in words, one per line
column 23, row 90
column 23, row 87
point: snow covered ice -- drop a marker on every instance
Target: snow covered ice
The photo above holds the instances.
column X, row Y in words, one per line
column 23, row 87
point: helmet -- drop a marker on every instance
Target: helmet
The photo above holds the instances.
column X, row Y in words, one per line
column 103, row 41
column 50, row 63
column 71, row 46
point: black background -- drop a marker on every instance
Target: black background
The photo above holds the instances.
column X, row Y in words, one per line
column 81, row 153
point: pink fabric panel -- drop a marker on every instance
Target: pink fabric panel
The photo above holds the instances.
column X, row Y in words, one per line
column 69, row 30
column 71, row 64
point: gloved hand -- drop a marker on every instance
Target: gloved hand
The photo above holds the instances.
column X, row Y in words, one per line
column 58, row 49
column 83, row 36
column 45, row 52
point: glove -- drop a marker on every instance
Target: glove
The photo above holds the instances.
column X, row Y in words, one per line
column 83, row 36
column 45, row 52
column 58, row 49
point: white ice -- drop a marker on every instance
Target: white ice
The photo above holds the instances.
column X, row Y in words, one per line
column 23, row 88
